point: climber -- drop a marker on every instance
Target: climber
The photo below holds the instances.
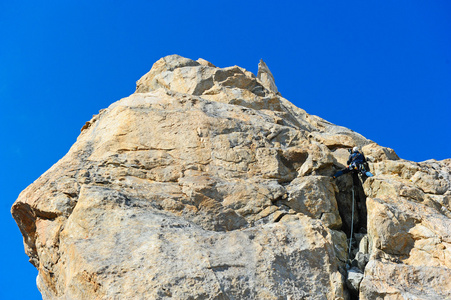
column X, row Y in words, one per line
column 355, row 163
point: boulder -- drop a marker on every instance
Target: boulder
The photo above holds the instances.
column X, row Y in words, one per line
column 408, row 231
column 355, row 276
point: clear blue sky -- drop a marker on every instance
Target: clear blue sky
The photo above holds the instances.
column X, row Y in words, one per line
column 381, row 68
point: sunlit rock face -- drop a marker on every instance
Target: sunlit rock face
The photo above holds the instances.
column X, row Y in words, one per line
column 207, row 184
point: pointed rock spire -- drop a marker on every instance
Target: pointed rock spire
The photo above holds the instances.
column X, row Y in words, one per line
column 266, row 77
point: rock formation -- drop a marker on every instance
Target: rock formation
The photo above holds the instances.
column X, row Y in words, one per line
column 265, row 76
column 207, row 184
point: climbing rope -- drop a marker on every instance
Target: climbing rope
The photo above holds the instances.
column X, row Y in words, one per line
column 352, row 218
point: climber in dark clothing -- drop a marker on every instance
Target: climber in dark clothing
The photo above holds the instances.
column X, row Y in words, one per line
column 355, row 161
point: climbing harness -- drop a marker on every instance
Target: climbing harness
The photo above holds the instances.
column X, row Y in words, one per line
column 352, row 218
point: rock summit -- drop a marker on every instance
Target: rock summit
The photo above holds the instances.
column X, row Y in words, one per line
column 207, row 184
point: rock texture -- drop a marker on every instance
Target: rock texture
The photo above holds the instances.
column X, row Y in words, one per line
column 207, row 184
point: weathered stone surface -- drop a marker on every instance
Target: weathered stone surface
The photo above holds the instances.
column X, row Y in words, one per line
column 161, row 255
column 375, row 153
column 207, row 184
column 314, row 196
column 408, row 231
column 355, row 276
column 266, row 77
column 387, row 280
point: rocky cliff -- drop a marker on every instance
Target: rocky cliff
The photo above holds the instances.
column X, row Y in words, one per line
column 207, row 184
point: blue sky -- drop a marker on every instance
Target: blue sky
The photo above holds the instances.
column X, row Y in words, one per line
column 381, row 68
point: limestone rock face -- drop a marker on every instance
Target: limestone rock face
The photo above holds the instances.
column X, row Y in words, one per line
column 409, row 231
column 207, row 184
